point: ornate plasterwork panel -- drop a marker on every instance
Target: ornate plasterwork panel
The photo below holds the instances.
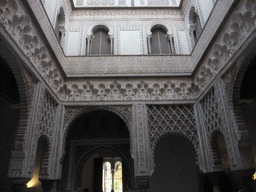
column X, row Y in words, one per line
column 125, row 90
column 96, row 3
column 48, row 114
column 217, row 117
column 210, row 108
column 164, row 119
column 141, row 151
column 239, row 26
column 127, row 14
column 158, row 2
column 19, row 25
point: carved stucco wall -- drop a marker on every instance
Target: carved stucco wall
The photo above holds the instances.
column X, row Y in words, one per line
column 135, row 90
column 78, row 29
column 129, row 3
column 16, row 23
column 178, row 119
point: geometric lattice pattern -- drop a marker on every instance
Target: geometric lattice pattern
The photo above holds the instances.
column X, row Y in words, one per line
column 211, row 113
column 100, row 2
column 171, row 118
column 79, row 2
column 48, row 116
column 158, row 2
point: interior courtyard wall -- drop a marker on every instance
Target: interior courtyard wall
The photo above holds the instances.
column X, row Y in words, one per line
column 250, row 29
column 78, row 32
column 129, row 3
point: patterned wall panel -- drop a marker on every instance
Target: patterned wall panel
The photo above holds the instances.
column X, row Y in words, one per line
column 171, row 118
column 48, row 113
column 212, row 117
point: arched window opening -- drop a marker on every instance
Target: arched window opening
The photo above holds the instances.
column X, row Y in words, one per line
column 118, row 177
column 160, row 42
column 198, row 26
column 195, row 25
column 60, row 25
column 112, row 178
column 107, row 177
column 219, row 152
column 100, row 43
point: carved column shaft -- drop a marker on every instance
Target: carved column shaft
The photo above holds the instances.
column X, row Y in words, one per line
column 149, row 44
column 89, row 44
column 57, row 144
column 112, row 44
column 204, row 149
column 171, row 41
column 142, row 158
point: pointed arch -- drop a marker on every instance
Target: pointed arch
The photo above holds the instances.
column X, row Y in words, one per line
column 195, row 25
column 175, row 155
column 78, row 113
column 60, row 24
column 105, row 26
column 165, row 26
column 79, row 166
column 24, row 89
column 179, row 133
column 100, row 40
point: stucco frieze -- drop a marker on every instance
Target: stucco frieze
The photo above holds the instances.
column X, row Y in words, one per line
column 129, row 90
column 19, row 25
column 16, row 20
column 237, row 29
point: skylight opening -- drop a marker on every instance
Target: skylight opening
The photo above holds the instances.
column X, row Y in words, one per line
column 126, row 3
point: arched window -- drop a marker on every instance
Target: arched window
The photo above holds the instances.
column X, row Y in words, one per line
column 60, row 24
column 198, row 28
column 112, row 176
column 107, row 177
column 100, row 43
column 195, row 25
column 160, row 42
column 118, row 177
